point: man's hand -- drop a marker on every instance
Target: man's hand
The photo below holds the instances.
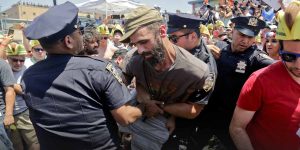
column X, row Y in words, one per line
column 8, row 120
column 6, row 40
column 152, row 108
column 216, row 52
column 171, row 124
column 20, row 26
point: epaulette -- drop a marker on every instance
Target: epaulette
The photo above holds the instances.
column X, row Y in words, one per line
column 113, row 70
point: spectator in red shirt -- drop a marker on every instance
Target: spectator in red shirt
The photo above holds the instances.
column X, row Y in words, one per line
column 267, row 114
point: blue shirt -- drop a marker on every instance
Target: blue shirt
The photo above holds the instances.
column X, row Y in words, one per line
column 70, row 99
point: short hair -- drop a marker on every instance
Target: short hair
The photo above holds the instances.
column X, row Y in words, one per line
column 90, row 33
column 154, row 27
column 48, row 44
column 120, row 52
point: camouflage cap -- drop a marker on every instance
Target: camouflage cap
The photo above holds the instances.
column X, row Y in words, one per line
column 137, row 18
column 14, row 49
column 34, row 43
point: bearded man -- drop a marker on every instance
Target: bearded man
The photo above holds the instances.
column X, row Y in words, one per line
column 170, row 82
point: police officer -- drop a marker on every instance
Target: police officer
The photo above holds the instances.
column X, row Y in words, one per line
column 236, row 63
column 183, row 30
column 74, row 102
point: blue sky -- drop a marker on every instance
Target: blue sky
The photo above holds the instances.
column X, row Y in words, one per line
column 169, row 5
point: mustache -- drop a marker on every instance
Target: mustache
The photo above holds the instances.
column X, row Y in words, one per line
column 147, row 53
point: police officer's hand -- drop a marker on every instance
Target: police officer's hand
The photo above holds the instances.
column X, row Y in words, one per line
column 216, row 51
column 152, row 108
column 171, row 124
column 8, row 120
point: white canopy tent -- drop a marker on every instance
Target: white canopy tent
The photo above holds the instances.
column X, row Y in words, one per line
column 107, row 7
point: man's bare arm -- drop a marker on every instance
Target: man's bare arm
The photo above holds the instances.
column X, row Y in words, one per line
column 10, row 97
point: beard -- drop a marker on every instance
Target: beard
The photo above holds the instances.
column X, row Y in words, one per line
column 157, row 53
column 91, row 51
column 295, row 71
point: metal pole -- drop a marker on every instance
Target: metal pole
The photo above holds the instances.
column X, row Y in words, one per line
column 1, row 24
column 105, row 9
column 1, row 21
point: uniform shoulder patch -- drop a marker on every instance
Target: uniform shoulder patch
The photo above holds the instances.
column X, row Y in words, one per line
column 112, row 69
column 209, row 82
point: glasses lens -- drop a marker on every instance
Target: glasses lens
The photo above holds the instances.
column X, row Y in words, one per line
column 16, row 60
column 105, row 38
column 173, row 38
column 288, row 57
column 38, row 49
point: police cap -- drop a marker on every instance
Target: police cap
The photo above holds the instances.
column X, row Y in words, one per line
column 182, row 21
column 249, row 26
column 54, row 24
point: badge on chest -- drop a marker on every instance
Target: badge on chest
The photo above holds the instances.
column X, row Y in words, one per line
column 241, row 66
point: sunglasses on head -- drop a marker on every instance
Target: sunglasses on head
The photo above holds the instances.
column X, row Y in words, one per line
column 17, row 60
column 288, row 56
column 175, row 38
column 38, row 49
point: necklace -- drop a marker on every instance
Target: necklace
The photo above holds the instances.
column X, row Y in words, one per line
column 154, row 95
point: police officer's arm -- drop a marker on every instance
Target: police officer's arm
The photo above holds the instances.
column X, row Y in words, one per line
column 262, row 60
column 127, row 114
column 115, row 95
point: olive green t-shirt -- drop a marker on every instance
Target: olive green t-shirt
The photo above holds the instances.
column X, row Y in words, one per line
column 185, row 78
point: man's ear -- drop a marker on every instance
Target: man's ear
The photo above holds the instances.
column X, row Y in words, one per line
column 69, row 42
column 163, row 31
column 194, row 35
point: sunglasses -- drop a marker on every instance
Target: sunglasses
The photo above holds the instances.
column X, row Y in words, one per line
column 175, row 38
column 17, row 60
column 105, row 38
column 288, row 56
column 38, row 49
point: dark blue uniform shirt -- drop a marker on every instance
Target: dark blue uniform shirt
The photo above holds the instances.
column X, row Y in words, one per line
column 70, row 99
column 233, row 71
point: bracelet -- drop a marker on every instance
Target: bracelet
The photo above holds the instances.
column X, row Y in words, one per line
column 9, row 115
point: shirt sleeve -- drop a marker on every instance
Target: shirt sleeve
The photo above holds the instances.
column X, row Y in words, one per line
column 127, row 69
column 251, row 94
column 202, row 95
column 263, row 60
column 113, row 91
column 7, row 78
